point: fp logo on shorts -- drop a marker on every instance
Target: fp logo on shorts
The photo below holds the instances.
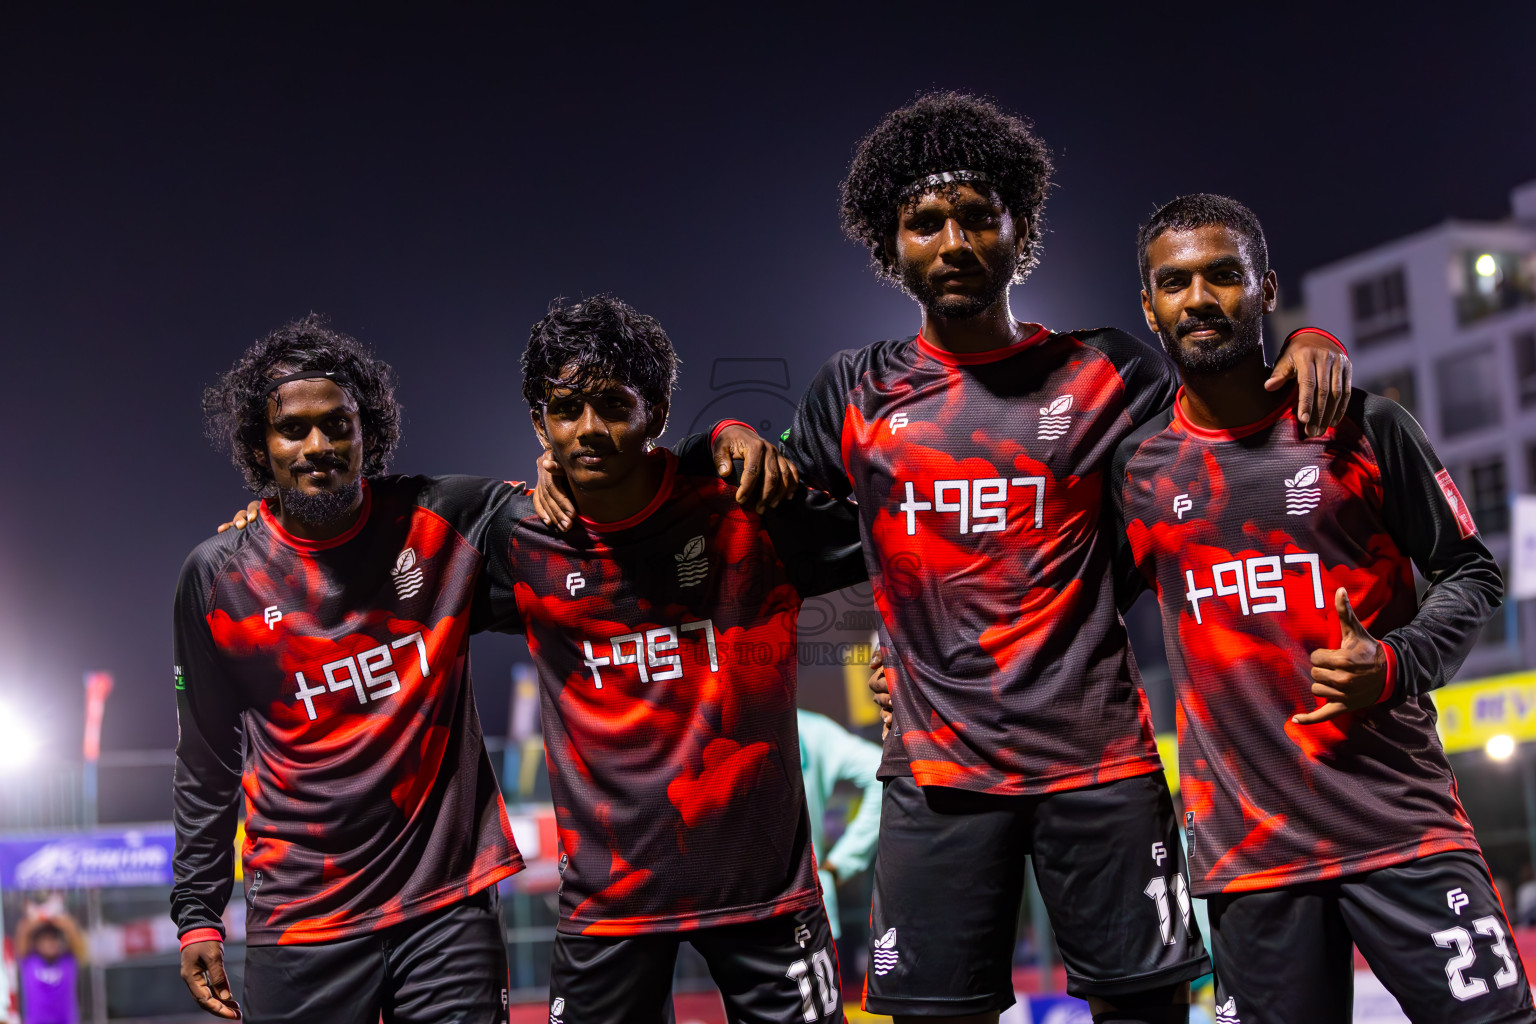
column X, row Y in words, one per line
column 1456, row 899
column 1159, row 853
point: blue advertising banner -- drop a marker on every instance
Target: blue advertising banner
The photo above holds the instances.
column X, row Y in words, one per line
column 103, row 859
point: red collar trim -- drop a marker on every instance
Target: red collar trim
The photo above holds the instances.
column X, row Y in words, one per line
column 301, row 543
column 662, row 493
column 1232, row 433
column 991, row 355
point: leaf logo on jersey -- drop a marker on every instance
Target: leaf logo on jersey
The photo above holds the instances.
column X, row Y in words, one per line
column 408, row 575
column 1300, row 496
column 1226, row 1013
column 886, row 955
column 692, row 566
column 1054, row 420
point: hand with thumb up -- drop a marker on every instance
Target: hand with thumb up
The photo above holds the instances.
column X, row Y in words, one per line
column 1351, row 676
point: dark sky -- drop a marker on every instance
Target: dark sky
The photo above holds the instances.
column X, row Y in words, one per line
column 173, row 186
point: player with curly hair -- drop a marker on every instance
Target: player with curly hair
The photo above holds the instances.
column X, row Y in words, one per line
column 330, row 641
column 976, row 451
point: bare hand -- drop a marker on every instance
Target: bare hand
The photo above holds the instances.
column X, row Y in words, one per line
column 552, row 495
column 1322, row 373
column 767, row 477
column 880, row 687
column 244, row 517
column 1350, row 677
column 202, row 968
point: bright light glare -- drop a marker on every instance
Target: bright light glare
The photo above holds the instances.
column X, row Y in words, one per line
column 1500, row 747
column 1485, row 265
column 18, row 744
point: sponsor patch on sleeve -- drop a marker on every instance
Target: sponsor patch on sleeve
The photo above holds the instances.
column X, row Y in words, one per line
column 1459, row 508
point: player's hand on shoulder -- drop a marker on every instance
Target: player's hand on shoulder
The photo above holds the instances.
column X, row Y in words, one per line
column 240, row 520
column 767, row 477
column 880, row 688
column 202, row 968
column 551, row 495
column 1353, row 675
column 1322, row 372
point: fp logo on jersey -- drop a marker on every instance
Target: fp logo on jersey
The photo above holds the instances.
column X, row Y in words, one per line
column 272, row 616
column 1456, row 900
column 1182, row 504
column 898, row 421
column 574, row 582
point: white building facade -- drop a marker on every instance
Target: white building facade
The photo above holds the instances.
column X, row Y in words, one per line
column 1444, row 322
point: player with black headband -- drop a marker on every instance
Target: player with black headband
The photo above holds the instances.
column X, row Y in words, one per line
column 1320, row 808
column 977, row 452
column 331, row 640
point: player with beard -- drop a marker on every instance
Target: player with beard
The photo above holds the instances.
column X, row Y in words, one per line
column 977, row 452
column 1321, row 811
column 331, row 641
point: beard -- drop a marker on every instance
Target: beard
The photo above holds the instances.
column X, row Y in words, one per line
column 914, row 281
column 1238, row 340
column 322, row 509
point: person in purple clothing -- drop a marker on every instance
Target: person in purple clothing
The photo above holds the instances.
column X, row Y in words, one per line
column 49, row 952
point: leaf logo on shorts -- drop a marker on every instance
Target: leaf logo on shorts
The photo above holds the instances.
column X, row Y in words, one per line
column 556, row 1008
column 886, row 955
column 1226, row 1013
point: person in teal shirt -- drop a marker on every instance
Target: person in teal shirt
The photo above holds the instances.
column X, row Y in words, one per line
column 830, row 754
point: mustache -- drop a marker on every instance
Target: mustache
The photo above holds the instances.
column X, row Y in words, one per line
column 320, row 464
column 1213, row 323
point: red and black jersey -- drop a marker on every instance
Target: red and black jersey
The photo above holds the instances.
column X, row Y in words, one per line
column 979, row 483
column 344, row 666
column 1245, row 536
column 666, row 651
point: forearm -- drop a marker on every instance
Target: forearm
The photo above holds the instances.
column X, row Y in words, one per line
column 1427, row 652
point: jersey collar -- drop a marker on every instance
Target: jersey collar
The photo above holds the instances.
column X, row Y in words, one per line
column 301, row 544
column 1230, row 433
column 662, row 493
column 991, row 355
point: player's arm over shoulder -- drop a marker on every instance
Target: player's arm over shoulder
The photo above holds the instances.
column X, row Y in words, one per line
column 1426, row 516
column 1148, row 377
column 814, row 440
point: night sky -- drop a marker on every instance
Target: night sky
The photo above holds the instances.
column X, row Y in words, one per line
column 174, row 186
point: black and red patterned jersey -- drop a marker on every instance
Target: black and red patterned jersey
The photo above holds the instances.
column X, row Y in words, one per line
column 1245, row 536
column 666, row 651
column 344, row 664
column 979, row 482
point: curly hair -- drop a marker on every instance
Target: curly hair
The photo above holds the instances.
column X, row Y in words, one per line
column 1199, row 210
column 581, row 345
column 938, row 132
column 235, row 407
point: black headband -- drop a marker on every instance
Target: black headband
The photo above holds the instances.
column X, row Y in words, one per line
column 335, row 376
column 943, row 178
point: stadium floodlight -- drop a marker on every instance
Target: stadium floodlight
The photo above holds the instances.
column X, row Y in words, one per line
column 18, row 743
column 1500, row 747
column 1486, row 266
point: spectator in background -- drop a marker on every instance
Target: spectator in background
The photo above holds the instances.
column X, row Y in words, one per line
column 830, row 754
column 1525, row 897
column 49, row 952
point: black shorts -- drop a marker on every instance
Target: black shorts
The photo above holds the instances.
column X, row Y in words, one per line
column 949, row 880
column 779, row 969
column 1432, row 930
column 446, row 967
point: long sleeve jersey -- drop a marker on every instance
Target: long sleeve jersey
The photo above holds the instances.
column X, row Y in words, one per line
column 666, row 652
column 343, row 667
column 1244, row 536
column 979, row 481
